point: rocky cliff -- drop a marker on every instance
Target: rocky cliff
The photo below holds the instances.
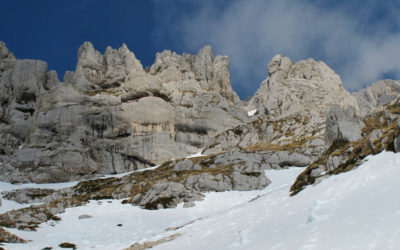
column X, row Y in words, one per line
column 290, row 111
column 110, row 115
column 378, row 94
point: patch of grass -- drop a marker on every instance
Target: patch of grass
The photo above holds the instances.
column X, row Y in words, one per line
column 110, row 91
column 91, row 186
column 289, row 145
column 395, row 107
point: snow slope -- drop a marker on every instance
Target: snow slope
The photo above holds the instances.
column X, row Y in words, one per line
column 356, row 210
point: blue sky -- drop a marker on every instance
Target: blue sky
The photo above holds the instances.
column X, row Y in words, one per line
column 360, row 40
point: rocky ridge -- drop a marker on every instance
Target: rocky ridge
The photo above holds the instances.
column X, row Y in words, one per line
column 378, row 94
column 110, row 115
column 290, row 110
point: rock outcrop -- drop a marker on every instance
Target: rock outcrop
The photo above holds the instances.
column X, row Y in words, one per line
column 110, row 115
column 342, row 126
column 380, row 131
column 290, row 111
column 297, row 88
column 378, row 94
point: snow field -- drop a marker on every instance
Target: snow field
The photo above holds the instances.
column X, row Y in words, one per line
column 356, row 210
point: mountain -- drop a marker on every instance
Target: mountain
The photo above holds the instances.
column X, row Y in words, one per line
column 110, row 115
column 169, row 135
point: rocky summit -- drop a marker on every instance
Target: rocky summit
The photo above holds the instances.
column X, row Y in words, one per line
column 112, row 116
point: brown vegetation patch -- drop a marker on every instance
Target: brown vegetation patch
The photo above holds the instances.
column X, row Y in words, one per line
column 7, row 237
column 288, row 145
column 110, row 91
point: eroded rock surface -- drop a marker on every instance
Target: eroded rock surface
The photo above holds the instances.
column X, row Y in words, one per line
column 290, row 110
column 342, row 126
column 378, row 94
column 110, row 115
column 380, row 132
column 302, row 87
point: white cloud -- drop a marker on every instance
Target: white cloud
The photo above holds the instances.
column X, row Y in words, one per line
column 252, row 32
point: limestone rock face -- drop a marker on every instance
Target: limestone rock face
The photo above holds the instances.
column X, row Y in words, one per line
column 291, row 107
column 210, row 73
column 7, row 59
column 303, row 87
column 110, row 115
column 20, row 89
column 380, row 131
column 378, row 94
column 281, row 138
column 342, row 126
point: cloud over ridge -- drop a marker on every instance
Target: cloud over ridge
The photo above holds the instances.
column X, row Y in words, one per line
column 356, row 40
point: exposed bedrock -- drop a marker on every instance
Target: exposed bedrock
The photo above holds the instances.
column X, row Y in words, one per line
column 110, row 115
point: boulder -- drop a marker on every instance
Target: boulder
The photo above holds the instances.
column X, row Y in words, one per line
column 84, row 216
column 342, row 126
column 167, row 195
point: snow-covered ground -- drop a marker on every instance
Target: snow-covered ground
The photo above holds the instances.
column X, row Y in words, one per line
column 356, row 210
